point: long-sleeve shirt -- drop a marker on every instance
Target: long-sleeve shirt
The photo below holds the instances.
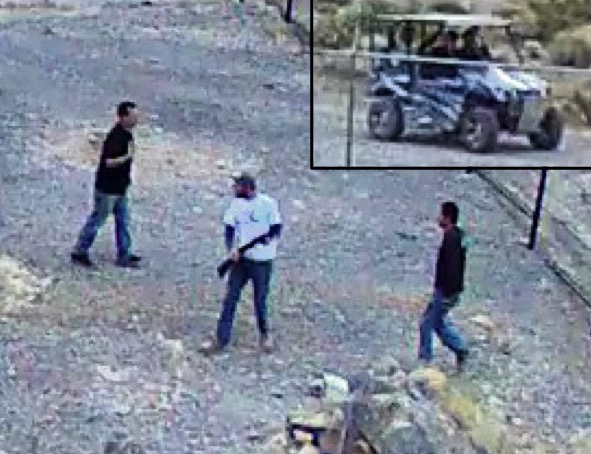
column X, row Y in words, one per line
column 247, row 219
column 451, row 263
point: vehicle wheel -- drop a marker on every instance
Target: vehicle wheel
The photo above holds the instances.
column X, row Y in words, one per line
column 551, row 130
column 385, row 119
column 479, row 130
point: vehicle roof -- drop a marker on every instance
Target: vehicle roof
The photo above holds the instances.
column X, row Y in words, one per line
column 448, row 19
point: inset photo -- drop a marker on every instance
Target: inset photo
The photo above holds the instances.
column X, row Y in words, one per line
column 451, row 84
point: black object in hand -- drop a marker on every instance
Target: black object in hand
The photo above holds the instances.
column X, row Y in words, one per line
column 225, row 266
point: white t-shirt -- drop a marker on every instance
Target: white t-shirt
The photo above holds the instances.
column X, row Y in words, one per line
column 253, row 218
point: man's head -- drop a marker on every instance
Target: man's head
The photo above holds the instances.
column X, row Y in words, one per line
column 127, row 114
column 244, row 186
column 448, row 40
column 451, row 38
column 449, row 215
column 470, row 36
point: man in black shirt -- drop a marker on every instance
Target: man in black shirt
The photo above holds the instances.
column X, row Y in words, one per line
column 444, row 47
column 449, row 283
column 474, row 48
column 113, row 177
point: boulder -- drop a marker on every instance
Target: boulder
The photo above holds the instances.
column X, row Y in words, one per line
column 406, row 438
column 439, row 418
column 429, row 379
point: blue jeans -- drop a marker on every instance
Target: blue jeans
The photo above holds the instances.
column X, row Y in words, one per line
column 104, row 205
column 241, row 273
column 435, row 318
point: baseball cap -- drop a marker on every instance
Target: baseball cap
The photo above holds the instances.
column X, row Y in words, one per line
column 244, row 179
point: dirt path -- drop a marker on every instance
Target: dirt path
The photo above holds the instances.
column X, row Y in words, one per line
column 355, row 266
column 329, row 148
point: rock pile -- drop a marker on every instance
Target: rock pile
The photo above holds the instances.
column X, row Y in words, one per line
column 18, row 286
column 390, row 411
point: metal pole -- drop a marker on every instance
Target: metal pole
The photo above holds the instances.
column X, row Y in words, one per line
column 289, row 11
column 537, row 211
column 351, row 108
column 350, row 112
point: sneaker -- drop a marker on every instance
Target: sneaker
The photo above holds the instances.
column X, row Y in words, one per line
column 461, row 358
column 266, row 343
column 127, row 263
column 424, row 363
column 134, row 258
column 81, row 259
column 211, row 347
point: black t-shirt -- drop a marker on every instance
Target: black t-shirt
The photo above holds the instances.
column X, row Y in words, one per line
column 114, row 180
column 435, row 70
column 451, row 263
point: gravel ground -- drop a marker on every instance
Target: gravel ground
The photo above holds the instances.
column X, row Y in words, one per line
column 330, row 126
column 90, row 355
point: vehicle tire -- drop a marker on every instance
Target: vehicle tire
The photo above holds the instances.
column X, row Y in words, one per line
column 479, row 130
column 551, row 131
column 390, row 128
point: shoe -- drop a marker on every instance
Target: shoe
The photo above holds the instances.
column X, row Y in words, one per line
column 211, row 347
column 81, row 259
column 266, row 343
column 461, row 358
column 134, row 258
column 424, row 363
column 127, row 262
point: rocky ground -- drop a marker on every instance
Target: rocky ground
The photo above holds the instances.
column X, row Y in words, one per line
column 92, row 357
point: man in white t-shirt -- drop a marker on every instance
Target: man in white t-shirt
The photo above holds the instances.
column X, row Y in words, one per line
column 249, row 216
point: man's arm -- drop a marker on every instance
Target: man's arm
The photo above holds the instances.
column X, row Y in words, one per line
column 275, row 221
column 275, row 231
column 451, row 266
column 229, row 233
column 115, row 155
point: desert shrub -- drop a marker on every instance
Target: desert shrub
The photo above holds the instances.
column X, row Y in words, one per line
column 449, row 7
column 543, row 19
column 582, row 100
column 572, row 48
column 337, row 30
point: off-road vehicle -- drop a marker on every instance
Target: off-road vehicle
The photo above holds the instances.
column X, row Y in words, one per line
column 479, row 101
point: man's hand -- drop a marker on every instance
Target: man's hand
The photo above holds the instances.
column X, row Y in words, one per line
column 114, row 162
column 234, row 255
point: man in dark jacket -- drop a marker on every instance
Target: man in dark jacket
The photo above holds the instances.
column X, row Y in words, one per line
column 113, row 178
column 449, row 284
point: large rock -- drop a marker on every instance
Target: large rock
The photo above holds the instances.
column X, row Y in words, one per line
column 406, row 438
column 424, row 414
column 430, row 379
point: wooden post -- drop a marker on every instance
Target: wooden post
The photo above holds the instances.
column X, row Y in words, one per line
column 537, row 211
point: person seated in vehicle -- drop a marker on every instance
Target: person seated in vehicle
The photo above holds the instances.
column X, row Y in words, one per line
column 445, row 47
column 473, row 47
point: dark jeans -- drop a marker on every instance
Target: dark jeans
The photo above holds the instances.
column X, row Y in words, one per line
column 241, row 273
column 435, row 318
column 104, row 205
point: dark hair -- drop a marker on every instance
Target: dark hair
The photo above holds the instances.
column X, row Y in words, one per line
column 124, row 107
column 451, row 211
column 453, row 35
column 471, row 32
